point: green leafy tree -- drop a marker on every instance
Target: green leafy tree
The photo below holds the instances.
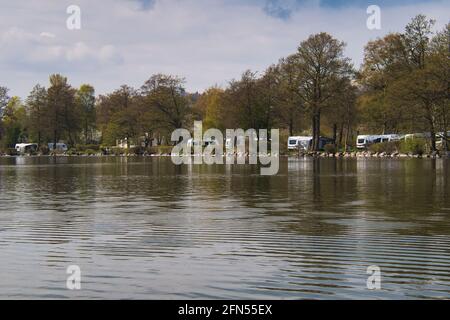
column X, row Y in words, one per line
column 165, row 105
column 61, row 111
column 37, row 107
column 4, row 98
column 289, row 107
column 211, row 108
column 116, row 115
column 85, row 100
column 14, row 123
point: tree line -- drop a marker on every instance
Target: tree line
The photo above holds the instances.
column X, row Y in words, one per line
column 401, row 87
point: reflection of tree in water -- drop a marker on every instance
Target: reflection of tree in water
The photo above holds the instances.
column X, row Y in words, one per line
column 316, row 223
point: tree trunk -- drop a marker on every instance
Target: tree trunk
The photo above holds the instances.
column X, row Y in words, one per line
column 86, row 132
column 433, row 136
column 335, row 128
column 341, row 133
column 54, row 141
column 347, row 137
column 316, row 131
column 313, row 132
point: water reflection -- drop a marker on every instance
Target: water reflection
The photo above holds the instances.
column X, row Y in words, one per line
column 144, row 228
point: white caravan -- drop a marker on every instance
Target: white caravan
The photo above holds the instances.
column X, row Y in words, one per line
column 387, row 138
column 59, row 147
column 299, row 142
column 364, row 141
column 24, row 148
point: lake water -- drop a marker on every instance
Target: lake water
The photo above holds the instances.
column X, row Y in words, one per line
column 142, row 228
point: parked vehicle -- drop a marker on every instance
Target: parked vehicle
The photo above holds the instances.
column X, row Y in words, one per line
column 304, row 143
column 387, row 138
column 441, row 137
column 364, row 141
column 62, row 147
column 299, row 142
column 26, row 148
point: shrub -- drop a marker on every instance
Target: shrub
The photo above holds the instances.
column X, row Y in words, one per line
column 44, row 150
column 414, row 146
column 11, row 152
column 160, row 150
column 91, row 152
column 375, row 148
column 330, row 148
column 385, row 147
column 85, row 147
column 137, row 151
column 166, row 149
column 284, row 136
column 72, row 152
column 117, row 151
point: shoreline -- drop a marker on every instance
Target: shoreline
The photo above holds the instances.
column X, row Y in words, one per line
column 312, row 155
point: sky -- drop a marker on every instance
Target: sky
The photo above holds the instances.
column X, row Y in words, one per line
column 207, row 42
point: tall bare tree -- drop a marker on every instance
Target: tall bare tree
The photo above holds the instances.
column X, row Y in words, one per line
column 322, row 65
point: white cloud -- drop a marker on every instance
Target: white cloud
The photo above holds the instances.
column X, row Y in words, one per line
column 47, row 35
column 206, row 41
column 29, row 49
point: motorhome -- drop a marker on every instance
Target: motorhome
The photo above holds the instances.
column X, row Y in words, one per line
column 62, row 147
column 387, row 138
column 364, row 141
column 26, row 148
column 304, row 143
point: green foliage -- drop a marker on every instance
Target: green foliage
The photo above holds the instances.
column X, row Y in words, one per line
column 404, row 81
column 111, row 134
column 402, row 86
column 63, row 120
column 85, row 102
column 118, row 151
column 284, row 136
column 158, row 150
column 210, row 107
column 139, row 151
column 86, row 147
column 330, row 148
column 414, row 146
column 11, row 152
column 385, row 147
column 13, row 123
column 37, row 107
column 4, row 98
column 91, row 152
